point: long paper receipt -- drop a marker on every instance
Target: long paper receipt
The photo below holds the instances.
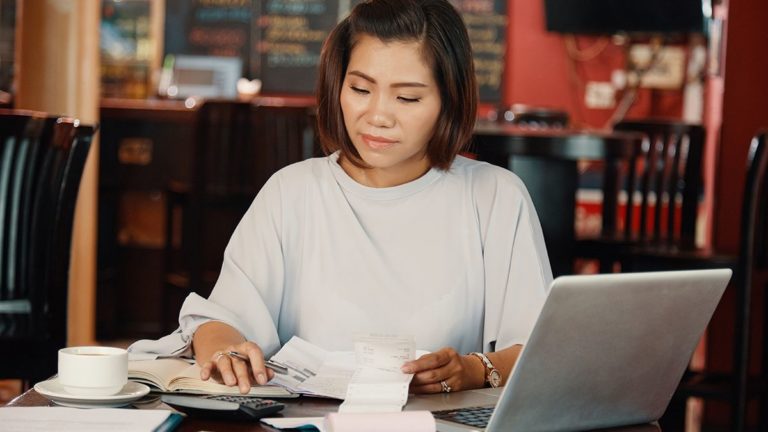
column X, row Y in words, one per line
column 368, row 379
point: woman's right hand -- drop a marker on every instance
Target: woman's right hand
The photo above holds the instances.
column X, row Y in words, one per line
column 234, row 371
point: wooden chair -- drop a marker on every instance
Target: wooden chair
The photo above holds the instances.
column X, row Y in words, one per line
column 38, row 199
column 665, row 178
column 19, row 137
column 239, row 146
column 735, row 387
column 547, row 162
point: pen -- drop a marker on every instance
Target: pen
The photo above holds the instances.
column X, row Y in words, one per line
column 275, row 366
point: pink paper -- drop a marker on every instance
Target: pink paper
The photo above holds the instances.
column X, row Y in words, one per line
column 406, row 421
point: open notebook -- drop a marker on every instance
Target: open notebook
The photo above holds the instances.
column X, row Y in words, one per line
column 179, row 376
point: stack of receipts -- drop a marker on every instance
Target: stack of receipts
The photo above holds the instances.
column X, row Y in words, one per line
column 368, row 379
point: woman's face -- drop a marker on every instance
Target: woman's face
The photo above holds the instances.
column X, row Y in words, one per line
column 390, row 102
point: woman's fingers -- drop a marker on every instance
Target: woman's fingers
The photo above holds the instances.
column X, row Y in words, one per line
column 256, row 357
column 435, row 367
column 441, row 371
column 452, row 384
column 205, row 370
column 240, row 365
column 223, row 364
column 429, row 361
column 242, row 372
column 436, row 375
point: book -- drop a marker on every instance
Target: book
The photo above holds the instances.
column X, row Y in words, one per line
column 43, row 418
column 174, row 375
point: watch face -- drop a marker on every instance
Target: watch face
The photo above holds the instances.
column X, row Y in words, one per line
column 494, row 378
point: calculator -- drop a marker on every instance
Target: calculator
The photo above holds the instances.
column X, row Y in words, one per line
column 224, row 406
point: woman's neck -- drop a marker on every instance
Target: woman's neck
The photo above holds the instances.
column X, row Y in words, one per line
column 384, row 177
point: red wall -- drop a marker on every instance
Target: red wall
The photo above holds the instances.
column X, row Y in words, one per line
column 745, row 110
column 540, row 73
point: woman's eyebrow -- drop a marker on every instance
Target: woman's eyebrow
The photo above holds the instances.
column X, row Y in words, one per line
column 373, row 81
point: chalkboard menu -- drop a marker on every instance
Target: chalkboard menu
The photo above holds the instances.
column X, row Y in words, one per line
column 486, row 22
column 290, row 37
column 279, row 41
column 209, row 27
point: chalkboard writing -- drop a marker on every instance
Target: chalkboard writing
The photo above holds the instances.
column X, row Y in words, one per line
column 209, row 27
column 290, row 37
column 486, row 22
column 279, row 41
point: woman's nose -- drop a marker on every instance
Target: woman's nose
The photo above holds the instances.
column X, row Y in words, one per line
column 380, row 113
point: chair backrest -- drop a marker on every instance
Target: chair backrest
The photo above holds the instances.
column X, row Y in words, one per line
column 221, row 147
column 20, row 133
column 239, row 145
column 52, row 297
column 666, row 178
column 285, row 135
column 47, row 168
column 753, row 256
column 754, row 213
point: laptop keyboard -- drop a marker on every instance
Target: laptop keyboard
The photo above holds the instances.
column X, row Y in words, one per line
column 472, row 416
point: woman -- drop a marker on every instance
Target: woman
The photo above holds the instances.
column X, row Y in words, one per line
column 392, row 232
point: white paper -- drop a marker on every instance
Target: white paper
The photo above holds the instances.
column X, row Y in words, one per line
column 303, row 361
column 378, row 385
column 141, row 356
column 369, row 379
column 32, row 419
column 376, row 390
column 329, row 384
column 381, row 351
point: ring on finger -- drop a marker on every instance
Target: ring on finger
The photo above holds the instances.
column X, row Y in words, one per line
column 445, row 386
column 218, row 356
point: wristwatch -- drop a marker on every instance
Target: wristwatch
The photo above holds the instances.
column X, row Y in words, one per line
column 492, row 375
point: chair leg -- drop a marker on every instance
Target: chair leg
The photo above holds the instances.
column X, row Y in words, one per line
column 193, row 235
column 741, row 353
column 673, row 419
column 763, row 387
column 165, row 320
column 739, row 405
column 763, row 427
column 606, row 265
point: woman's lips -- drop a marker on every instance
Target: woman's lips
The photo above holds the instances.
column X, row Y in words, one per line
column 377, row 142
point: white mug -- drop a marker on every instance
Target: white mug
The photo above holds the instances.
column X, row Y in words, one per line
column 93, row 370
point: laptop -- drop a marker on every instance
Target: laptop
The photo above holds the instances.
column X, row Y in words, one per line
column 607, row 350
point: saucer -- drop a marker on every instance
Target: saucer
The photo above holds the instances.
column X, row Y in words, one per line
column 53, row 390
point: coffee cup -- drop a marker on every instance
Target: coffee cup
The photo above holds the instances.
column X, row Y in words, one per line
column 93, row 370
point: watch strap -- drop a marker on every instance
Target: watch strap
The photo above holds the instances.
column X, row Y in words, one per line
column 489, row 367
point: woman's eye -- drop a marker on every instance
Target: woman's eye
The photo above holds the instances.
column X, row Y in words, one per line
column 359, row 90
column 408, row 100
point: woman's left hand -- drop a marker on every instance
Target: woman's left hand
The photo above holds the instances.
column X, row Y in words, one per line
column 445, row 371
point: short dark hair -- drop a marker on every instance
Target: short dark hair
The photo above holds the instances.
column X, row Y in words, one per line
column 439, row 27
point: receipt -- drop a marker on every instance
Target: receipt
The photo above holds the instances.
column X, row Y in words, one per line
column 376, row 390
column 378, row 385
column 303, row 361
column 333, row 377
column 368, row 379
column 382, row 351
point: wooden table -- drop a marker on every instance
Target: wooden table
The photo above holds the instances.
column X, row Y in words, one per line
column 546, row 160
column 301, row 407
